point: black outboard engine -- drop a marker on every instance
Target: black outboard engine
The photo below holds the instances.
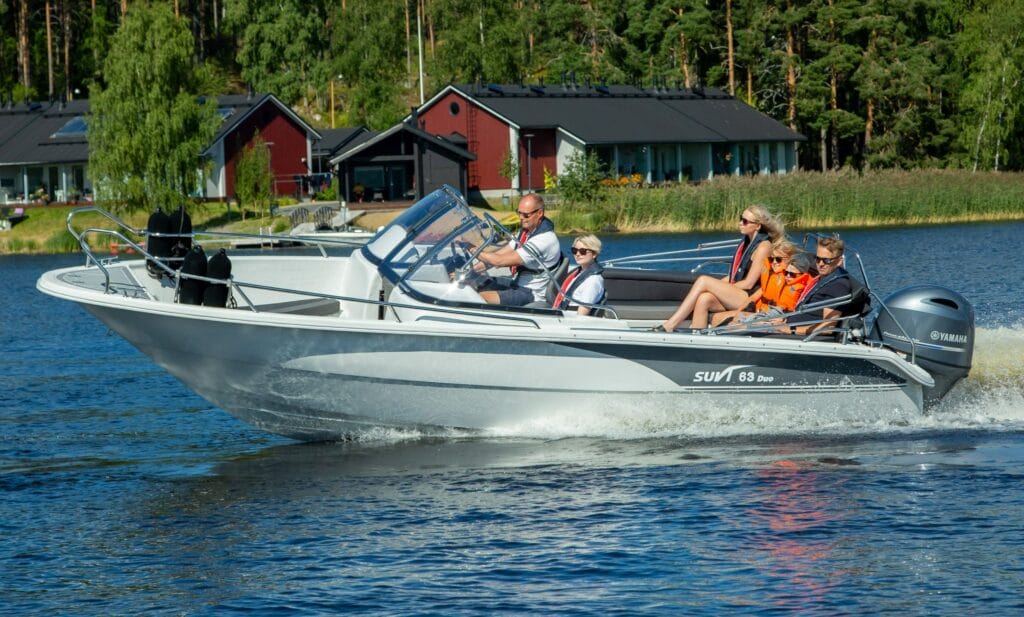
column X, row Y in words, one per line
column 941, row 323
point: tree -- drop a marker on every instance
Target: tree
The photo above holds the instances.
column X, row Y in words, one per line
column 509, row 167
column 990, row 47
column 579, row 181
column 148, row 128
column 369, row 51
column 253, row 177
column 281, row 45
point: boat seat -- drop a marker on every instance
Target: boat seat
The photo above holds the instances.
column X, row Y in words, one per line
column 643, row 309
column 558, row 274
column 305, row 306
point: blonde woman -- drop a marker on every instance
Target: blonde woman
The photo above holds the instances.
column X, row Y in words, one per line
column 583, row 283
column 758, row 229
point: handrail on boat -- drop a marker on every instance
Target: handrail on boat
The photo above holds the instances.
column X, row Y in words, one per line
column 197, row 235
column 240, row 286
column 677, row 255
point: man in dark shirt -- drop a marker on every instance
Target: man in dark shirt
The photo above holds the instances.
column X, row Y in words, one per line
column 832, row 282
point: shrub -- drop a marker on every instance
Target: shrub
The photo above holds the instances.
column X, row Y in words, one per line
column 579, row 182
column 61, row 242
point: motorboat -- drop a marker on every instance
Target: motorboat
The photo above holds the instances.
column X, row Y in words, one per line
column 394, row 334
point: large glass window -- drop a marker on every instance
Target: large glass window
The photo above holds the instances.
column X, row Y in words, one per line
column 606, row 155
column 633, row 160
column 666, row 165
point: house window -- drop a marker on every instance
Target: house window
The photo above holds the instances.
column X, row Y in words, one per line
column 71, row 128
column 453, row 108
column 78, row 177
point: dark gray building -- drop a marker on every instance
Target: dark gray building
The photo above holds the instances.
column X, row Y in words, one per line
column 401, row 163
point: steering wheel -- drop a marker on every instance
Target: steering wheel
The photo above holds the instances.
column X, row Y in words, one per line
column 466, row 272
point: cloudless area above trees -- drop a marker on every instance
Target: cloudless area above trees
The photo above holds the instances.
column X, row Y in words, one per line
column 871, row 83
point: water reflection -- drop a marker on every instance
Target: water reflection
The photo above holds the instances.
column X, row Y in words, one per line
column 797, row 515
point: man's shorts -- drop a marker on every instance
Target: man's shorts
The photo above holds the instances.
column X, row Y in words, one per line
column 515, row 296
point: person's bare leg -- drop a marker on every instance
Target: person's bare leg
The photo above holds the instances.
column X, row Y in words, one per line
column 490, row 297
column 707, row 303
column 686, row 307
column 730, row 297
column 719, row 317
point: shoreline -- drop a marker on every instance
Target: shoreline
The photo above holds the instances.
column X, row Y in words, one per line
column 377, row 219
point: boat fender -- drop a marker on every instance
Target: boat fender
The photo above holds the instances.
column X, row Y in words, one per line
column 180, row 223
column 219, row 267
column 158, row 223
column 190, row 291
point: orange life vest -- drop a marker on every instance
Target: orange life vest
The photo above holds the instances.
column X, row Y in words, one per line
column 772, row 284
column 792, row 292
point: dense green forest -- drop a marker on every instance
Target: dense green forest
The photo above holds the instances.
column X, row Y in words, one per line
column 871, row 83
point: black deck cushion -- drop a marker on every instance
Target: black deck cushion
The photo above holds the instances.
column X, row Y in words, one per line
column 191, row 290
column 219, row 267
column 625, row 285
column 158, row 246
column 180, row 223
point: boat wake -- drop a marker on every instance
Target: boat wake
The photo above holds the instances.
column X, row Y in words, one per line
column 991, row 398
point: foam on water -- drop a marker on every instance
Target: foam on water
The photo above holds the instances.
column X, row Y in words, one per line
column 991, row 397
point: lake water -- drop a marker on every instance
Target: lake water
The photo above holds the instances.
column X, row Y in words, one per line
column 121, row 492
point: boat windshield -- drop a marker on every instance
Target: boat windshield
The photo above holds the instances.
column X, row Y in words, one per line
column 432, row 239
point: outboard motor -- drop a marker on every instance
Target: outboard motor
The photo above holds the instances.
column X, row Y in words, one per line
column 219, row 267
column 190, row 291
column 941, row 323
column 158, row 246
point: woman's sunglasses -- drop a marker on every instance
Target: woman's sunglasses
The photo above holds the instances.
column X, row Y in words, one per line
column 744, row 221
column 776, row 259
column 580, row 251
column 790, row 274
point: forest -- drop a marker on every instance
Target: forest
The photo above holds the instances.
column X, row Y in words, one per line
column 872, row 84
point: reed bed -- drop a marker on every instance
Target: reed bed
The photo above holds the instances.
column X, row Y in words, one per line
column 807, row 200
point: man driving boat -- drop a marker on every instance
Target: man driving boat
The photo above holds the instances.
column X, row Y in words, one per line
column 529, row 276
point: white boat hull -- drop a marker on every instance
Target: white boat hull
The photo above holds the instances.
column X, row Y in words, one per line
column 320, row 379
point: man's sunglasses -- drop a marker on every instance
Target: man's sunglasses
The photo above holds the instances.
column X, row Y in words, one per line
column 828, row 261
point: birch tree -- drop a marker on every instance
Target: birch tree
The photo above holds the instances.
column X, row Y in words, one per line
column 147, row 127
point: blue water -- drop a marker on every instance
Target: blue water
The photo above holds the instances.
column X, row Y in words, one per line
column 121, row 492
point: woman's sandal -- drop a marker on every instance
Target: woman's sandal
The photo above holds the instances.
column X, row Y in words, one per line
column 658, row 328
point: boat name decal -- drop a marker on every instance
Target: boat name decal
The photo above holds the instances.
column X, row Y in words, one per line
column 947, row 337
column 727, row 374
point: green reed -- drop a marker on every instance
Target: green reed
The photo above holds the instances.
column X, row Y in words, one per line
column 808, row 200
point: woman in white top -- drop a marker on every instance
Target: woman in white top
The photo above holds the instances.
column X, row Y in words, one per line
column 584, row 284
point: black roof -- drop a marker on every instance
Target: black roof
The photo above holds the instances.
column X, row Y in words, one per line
column 368, row 139
column 235, row 108
column 599, row 114
column 30, row 133
column 334, row 139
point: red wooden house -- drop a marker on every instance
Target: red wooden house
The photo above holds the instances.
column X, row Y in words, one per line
column 288, row 138
column 660, row 133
